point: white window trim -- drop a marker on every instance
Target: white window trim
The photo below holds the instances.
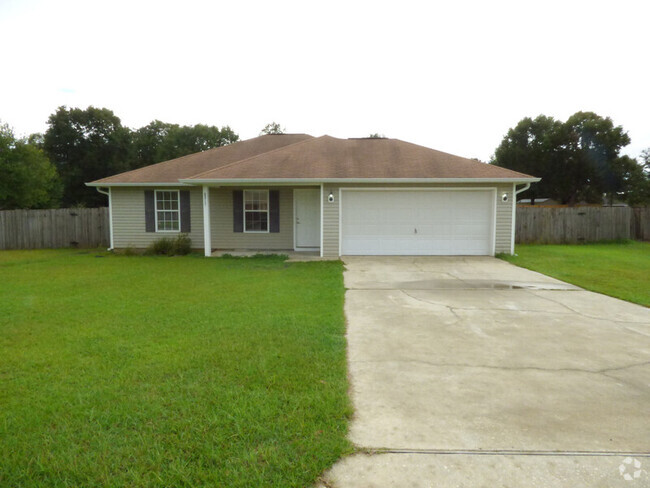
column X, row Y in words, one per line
column 155, row 205
column 268, row 213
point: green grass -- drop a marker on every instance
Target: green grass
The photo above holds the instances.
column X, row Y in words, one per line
column 618, row 269
column 157, row 371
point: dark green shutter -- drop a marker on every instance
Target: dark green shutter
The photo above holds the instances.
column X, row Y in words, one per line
column 185, row 211
column 274, row 211
column 238, row 211
column 149, row 211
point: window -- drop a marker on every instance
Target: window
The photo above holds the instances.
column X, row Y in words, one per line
column 256, row 210
column 168, row 216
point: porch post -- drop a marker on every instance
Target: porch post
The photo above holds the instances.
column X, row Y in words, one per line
column 207, row 239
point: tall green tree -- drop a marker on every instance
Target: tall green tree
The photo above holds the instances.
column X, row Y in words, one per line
column 272, row 128
column 645, row 161
column 27, row 178
column 592, row 150
column 635, row 186
column 86, row 145
column 533, row 147
column 578, row 160
column 160, row 141
column 147, row 142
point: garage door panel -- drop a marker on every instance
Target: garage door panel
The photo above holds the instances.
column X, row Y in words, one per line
column 417, row 222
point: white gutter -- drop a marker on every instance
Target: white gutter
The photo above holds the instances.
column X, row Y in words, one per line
column 108, row 185
column 110, row 214
column 314, row 181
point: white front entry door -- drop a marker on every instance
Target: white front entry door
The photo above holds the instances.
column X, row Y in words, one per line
column 417, row 222
column 307, row 218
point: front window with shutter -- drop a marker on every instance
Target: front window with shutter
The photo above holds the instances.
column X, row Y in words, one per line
column 256, row 210
column 168, row 216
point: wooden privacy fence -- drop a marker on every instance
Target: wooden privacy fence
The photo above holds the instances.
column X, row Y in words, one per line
column 52, row 228
column 88, row 227
column 568, row 225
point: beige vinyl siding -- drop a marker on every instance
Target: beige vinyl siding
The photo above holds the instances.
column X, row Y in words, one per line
column 129, row 220
column 331, row 212
column 503, row 220
column 129, row 223
column 221, row 223
column 330, row 225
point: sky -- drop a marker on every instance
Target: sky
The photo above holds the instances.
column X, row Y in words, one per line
column 451, row 75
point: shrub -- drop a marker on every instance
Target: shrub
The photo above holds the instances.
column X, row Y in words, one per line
column 181, row 245
column 161, row 246
column 178, row 246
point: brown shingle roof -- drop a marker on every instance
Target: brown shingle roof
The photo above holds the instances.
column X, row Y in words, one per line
column 187, row 166
column 301, row 156
column 331, row 158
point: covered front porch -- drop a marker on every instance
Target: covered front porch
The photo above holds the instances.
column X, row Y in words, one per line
column 254, row 219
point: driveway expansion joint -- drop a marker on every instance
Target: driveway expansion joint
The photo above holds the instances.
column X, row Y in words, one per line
column 496, row 309
column 511, row 368
column 506, row 452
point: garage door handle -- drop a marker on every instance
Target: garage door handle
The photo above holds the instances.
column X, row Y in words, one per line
column 415, row 230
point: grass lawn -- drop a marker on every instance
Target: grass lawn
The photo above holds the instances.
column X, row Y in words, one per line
column 620, row 270
column 155, row 371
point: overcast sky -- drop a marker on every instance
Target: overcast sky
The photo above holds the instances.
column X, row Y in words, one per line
column 450, row 75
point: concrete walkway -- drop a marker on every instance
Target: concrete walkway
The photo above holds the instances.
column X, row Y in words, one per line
column 473, row 372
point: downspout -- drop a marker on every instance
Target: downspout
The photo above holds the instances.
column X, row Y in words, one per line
column 517, row 192
column 110, row 214
column 514, row 214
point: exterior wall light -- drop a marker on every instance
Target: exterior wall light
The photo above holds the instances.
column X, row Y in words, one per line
column 504, row 197
column 330, row 198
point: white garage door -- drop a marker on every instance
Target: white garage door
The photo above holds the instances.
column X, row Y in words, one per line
column 418, row 222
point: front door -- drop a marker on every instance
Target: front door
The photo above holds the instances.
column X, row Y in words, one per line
column 307, row 214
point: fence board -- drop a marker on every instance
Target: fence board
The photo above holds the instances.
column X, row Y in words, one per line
column 571, row 225
column 54, row 228
column 641, row 223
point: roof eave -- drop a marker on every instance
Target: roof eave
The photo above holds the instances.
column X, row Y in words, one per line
column 239, row 181
column 148, row 183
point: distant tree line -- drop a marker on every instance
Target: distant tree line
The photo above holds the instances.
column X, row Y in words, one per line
column 51, row 169
column 578, row 160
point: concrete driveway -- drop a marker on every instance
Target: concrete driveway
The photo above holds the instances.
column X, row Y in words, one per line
column 474, row 372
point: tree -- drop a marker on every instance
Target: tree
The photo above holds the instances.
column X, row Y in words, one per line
column 27, row 178
column 577, row 160
column 531, row 147
column 635, row 182
column 86, row 145
column 376, row 135
column 645, row 161
column 183, row 140
column 147, row 142
column 592, row 151
column 272, row 128
column 160, row 141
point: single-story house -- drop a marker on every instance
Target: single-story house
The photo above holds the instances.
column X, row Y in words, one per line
column 338, row 197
